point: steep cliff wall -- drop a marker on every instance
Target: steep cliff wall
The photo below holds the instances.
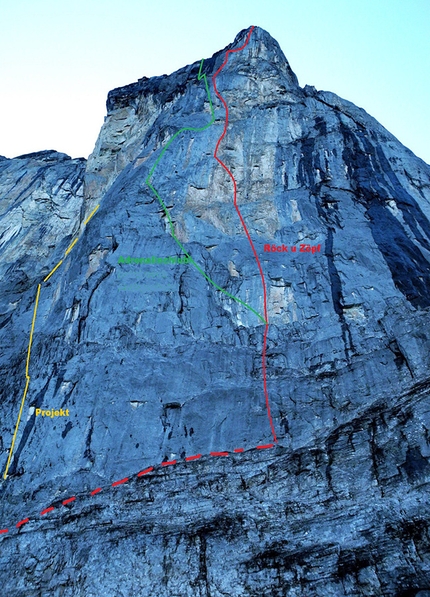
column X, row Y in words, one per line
column 156, row 361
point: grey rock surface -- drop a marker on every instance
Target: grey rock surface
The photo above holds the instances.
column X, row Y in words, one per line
column 154, row 364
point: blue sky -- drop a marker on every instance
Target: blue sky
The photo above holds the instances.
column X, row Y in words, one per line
column 59, row 59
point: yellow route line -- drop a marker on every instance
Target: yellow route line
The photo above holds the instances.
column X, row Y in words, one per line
column 27, row 381
column 27, row 364
column 53, row 270
column 16, row 429
column 32, row 330
column 91, row 214
column 71, row 246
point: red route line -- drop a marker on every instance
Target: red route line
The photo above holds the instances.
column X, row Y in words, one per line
column 120, row 482
column 195, row 457
column 236, row 450
column 263, row 356
column 47, row 510
column 144, row 472
column 21, row 522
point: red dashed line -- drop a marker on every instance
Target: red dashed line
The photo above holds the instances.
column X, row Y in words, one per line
column 236, row 450
column 21, row 522
column 265, row 446
column 260, row 269
column 146, row 471
column 120, row 482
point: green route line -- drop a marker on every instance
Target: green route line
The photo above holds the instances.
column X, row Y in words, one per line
column 172, row 229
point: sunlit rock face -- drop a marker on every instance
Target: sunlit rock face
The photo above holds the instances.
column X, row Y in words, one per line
column 154, row 363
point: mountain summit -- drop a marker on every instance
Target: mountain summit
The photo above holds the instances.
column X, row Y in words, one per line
column 230, row 300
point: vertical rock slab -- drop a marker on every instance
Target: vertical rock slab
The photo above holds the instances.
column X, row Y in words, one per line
column 166, row 447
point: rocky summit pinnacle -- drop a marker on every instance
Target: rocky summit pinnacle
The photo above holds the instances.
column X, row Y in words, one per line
column 215, row 346
column 265, row 50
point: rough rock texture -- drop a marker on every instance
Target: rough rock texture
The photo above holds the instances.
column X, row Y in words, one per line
column 155, row 364
column 41, row 195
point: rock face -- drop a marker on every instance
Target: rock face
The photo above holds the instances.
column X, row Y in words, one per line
column 157, row 360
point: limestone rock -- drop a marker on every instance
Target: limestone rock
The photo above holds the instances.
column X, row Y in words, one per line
column 156, row 364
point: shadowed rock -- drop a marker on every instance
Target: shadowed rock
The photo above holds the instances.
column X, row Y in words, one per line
column 155, row 364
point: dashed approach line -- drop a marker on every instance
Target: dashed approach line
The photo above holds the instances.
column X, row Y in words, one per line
column 71, row 500
column 263, row 283
column 27, row 364
column 172, row 228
